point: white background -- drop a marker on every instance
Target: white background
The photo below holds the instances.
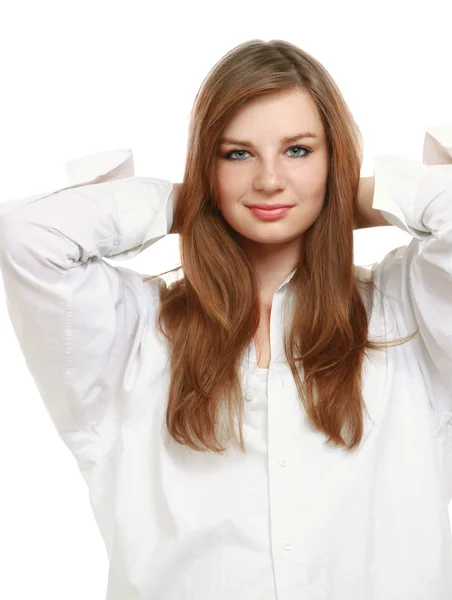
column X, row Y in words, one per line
column 80, row 77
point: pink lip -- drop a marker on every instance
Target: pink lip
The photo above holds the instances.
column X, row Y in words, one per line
column 269, row 215
column 269, row 206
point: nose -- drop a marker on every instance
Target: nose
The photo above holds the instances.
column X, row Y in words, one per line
column 269, row 178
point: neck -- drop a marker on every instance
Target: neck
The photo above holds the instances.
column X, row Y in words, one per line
column 272, row 263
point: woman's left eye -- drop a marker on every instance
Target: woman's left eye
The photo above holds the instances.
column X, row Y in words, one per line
column 307, row 151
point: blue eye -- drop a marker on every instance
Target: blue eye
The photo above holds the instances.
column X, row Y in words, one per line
column 229, row 154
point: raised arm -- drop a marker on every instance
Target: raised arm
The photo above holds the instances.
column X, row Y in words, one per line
column 80, row 321
column 175, row 199
column 368, row 216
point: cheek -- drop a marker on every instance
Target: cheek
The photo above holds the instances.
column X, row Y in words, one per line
column 231, row 184
column 313, row 181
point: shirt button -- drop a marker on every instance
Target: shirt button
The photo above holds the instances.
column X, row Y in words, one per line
column 249, row 395
column 283, row 462
column 287, row 546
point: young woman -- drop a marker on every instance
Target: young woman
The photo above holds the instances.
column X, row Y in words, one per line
column 277, row 423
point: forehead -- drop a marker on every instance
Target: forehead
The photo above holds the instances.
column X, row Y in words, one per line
column 279, row 113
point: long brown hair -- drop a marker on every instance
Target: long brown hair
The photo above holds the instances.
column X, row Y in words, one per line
column 211, row 315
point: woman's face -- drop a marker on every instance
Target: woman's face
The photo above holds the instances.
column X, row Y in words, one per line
column 262, row 168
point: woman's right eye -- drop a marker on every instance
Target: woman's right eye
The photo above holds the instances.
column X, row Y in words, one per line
column 228, row 155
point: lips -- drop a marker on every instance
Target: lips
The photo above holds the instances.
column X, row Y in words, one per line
column 269, row 206
column 269, row 214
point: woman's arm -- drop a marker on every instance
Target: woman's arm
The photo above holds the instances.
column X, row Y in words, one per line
column 175, row 197
column 368, row 216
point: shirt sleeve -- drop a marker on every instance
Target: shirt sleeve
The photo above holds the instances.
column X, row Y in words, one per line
column 80, row 321
column 417, row 197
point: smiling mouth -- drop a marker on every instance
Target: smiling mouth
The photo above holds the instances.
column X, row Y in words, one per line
column 269, row 207
column 269, row 214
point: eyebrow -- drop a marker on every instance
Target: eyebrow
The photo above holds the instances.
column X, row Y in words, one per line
column 286, row 140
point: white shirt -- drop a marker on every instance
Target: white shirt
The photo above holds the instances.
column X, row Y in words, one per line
column 293, row 519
